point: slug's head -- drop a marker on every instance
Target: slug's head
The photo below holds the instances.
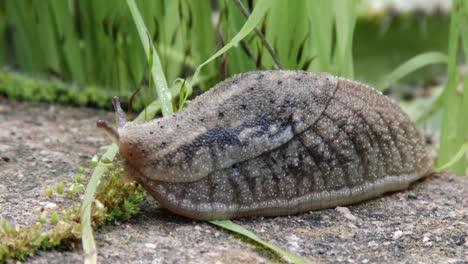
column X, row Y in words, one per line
column 143, row 147
column 119, row 135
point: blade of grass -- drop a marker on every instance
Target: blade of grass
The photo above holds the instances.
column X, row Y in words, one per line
column 460, row 154
column 202, row 35
column 172, row 26
column 345, row 21
column 257, row 14
column 157, row 71
column 3, row 28
column 73, row 55
column 89, row 246
column 231, row 21
column 229, row 225
column 265, row 43
column 287, row 37
column 48, row 36
column 25, row 35
column 451, row 138
column 320, row 13
column 413, row 64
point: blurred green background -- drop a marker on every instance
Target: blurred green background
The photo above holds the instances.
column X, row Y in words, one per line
column 95, row 44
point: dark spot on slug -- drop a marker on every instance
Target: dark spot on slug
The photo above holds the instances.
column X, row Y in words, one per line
column 163, row 144
column 251, row 88
column 280, row 82
column 201, row 119
column 272, row 101
column 151, row 132
column 221, row 115
column 161, row 127
column 298, row 79
column 243, row 106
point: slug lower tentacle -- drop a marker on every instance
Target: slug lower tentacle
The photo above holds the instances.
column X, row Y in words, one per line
column 274, row 143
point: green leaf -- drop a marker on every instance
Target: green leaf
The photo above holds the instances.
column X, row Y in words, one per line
column 157, row 72
column 229, row 225
column 413, row 64
column 89, row 246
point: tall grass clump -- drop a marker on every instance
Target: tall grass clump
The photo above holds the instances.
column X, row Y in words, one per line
column 93, row 43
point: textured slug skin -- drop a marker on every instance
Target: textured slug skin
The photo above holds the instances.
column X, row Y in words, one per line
column 275, row 143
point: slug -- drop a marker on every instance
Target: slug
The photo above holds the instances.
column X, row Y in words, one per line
column 273, row 143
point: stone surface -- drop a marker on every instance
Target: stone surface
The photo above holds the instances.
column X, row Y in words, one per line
column 41, row 145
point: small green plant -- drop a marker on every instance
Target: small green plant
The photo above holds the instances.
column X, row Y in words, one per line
column 54, row 218
column 59, row 188
column 64, row 228
column 43, row 218
column 49, row 192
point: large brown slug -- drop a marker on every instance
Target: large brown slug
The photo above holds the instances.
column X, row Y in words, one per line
column 273, row 143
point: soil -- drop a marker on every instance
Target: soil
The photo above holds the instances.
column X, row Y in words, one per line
column 42, row 144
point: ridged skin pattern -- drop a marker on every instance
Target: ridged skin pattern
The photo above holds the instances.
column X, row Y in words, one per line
column 275, row 143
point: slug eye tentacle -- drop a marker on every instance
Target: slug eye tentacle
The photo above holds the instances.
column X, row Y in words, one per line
column 120, row 115
column 109, row 130
column 121, row 119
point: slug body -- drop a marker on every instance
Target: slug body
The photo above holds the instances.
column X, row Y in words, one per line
column 274, row 143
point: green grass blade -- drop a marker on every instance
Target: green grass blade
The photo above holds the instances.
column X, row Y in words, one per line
column 345, row 21
column 89, row 246
column 157, row 71
column 257, row 14
column 73, row 56
column 288, row 37
column 25, row 35
column 412, row 65
column 229, row 225
column 172, row 27
column 460, row 154
column 453, row 125
column 321, row 17
column 231, row 21
column 3, row 28
column 48, row 36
